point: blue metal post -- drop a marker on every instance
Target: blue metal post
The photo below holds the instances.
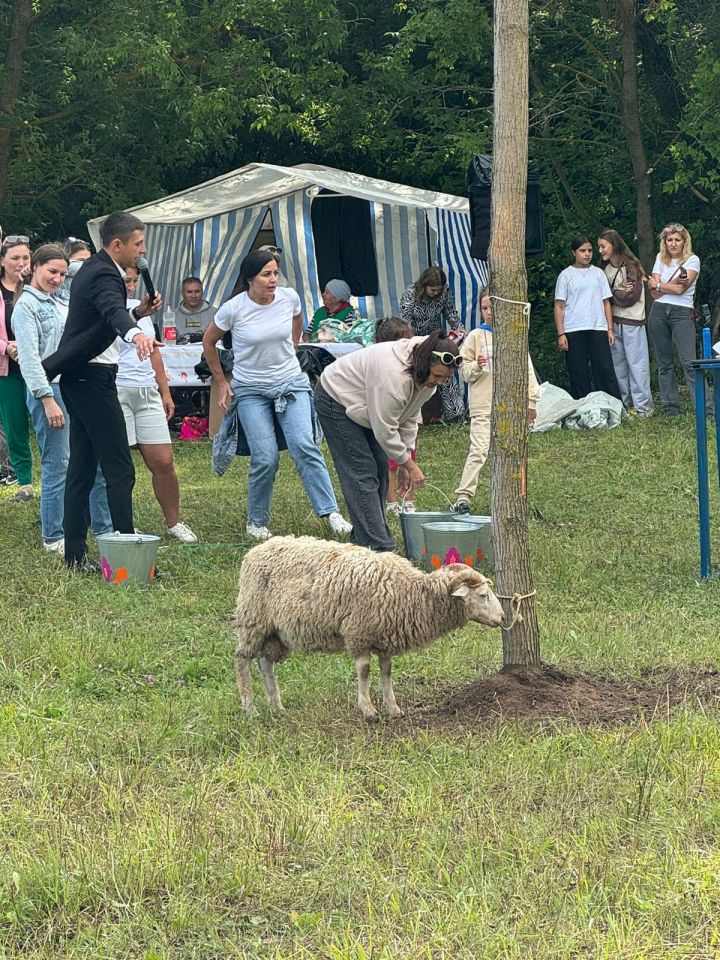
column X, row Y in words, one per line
column 702, row 467
column 706, row 344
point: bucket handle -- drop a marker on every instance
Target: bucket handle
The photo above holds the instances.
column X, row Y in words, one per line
column 433, row 487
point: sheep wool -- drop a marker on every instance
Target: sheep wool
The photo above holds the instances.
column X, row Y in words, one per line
column 302, row 594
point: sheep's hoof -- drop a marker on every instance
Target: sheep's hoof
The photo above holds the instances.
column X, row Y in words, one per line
column 396, row 714
column 371, row 717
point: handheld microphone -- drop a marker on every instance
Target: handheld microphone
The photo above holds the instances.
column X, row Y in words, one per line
column 142, row 266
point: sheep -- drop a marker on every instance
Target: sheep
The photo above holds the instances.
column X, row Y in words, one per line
column 307, row 595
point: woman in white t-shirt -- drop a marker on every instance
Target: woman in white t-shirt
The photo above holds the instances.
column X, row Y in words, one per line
column 672, row 287
column 583, row 320
column 269, row 389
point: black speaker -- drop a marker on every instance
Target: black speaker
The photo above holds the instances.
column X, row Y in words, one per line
column 479, row 181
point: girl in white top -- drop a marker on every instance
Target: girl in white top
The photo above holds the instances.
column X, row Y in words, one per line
column 672, row 287
column 147, row 405
column 583, row 321
column 269, row 391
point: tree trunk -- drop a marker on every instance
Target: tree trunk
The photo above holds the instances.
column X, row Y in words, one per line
column 630, row 114
column 11, row 85
column 508, row 282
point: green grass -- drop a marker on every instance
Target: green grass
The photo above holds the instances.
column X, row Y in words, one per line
column 142, row 815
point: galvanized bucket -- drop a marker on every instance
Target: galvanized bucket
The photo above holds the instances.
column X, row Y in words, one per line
column 128, row 557
column 451, row 542
column 487, row 560
column 412, row 530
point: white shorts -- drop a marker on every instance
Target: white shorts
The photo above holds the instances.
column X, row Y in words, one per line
column 144, row 413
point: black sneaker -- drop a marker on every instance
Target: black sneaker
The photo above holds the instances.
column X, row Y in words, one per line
column 461, row 506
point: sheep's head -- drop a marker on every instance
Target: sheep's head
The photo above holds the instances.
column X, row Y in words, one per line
column 481, row 604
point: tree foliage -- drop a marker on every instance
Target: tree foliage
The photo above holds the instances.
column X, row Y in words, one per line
column 111, row 105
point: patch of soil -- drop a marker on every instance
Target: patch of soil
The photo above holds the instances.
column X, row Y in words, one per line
column 546, row 694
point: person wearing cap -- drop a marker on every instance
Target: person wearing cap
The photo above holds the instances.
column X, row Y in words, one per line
column 336, row 306
column 194, row 314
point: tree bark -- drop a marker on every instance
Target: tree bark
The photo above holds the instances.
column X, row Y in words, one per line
column 630, row 114
column 508, row 288
column 11, row 86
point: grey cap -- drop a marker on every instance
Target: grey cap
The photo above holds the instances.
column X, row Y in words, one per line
column 339, row 289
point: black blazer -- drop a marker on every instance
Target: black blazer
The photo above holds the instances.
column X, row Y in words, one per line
column 98, row 313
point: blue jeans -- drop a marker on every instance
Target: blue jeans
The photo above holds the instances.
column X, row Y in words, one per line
column 54, row 454
column 293, row 410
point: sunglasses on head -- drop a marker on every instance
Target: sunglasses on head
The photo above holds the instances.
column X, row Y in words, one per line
column 15, row 238
column 449, row 359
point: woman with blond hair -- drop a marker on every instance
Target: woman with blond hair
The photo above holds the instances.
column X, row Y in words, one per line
column 630, row 355
column 672, row 287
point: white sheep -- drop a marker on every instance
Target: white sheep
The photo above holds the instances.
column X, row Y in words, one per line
column 308, row 595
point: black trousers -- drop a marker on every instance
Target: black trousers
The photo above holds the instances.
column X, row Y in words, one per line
column 362, row 469
column 97, row 435
column 590, row 350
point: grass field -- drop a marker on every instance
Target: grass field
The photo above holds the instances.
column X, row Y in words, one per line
column 142, row 815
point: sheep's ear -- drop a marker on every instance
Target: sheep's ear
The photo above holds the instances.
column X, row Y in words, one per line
column 461, row 591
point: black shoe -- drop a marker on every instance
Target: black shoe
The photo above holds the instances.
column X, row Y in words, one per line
column 461, row 506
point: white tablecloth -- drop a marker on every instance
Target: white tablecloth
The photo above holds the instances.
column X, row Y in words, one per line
column 180, row 360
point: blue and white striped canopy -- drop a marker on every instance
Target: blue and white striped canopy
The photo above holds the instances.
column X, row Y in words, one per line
column 208, row 229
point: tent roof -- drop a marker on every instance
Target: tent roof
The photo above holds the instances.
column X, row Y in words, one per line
column 264, row 182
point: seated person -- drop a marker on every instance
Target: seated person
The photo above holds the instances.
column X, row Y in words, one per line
column 336, row 306
column 193, row 315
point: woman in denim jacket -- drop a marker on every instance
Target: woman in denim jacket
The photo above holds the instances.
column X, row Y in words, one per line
column 38, row 325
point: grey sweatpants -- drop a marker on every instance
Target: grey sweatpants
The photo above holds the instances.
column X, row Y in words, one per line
column 631, row 360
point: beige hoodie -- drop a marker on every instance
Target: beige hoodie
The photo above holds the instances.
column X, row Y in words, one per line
column 378, row 392
column 479, row 343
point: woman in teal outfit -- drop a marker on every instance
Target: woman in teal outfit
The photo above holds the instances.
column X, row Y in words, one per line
column 14, row 260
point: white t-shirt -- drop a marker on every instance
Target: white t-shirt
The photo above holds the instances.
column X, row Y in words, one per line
column 583, row 289
column 671, row 271
column 132, row 371
column 262, row 337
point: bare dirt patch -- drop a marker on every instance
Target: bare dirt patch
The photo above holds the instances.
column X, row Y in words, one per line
column 547, row 694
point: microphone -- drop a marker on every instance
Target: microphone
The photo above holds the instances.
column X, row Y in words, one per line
column 142, row 266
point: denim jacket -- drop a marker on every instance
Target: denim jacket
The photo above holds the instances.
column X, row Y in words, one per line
column 38, row 326
column 230, row 440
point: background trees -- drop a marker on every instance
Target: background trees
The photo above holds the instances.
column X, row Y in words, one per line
column 113, row 104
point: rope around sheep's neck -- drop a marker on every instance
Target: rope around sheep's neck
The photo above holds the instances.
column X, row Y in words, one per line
column 515, row 602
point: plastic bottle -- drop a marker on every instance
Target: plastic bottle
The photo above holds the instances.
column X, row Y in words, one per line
column 169, row 325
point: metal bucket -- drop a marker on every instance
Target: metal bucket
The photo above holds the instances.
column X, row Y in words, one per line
column 483, row 524
column 128, row 557
column 412, row 530
column 451, row 542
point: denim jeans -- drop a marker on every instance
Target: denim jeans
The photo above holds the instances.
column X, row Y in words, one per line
column 672, row 324
column 54, row 453
column 362, row 467
column 293, row 408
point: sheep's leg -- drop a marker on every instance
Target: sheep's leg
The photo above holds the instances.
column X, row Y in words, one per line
column 362, row 666
column 269, row 681
column 244, row 684
column 389, row 702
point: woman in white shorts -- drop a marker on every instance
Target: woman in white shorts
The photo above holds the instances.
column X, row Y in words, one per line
column 147, row 404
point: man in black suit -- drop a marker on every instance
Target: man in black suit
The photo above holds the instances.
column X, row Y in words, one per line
column 87, row 358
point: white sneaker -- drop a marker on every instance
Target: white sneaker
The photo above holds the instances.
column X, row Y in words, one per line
column 408, row 507
column 392, row 507
column 257, row 533
column 338, row 523
column 55, row 546
column 183, row 532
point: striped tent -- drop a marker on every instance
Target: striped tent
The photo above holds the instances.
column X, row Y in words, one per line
column 207, row 230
